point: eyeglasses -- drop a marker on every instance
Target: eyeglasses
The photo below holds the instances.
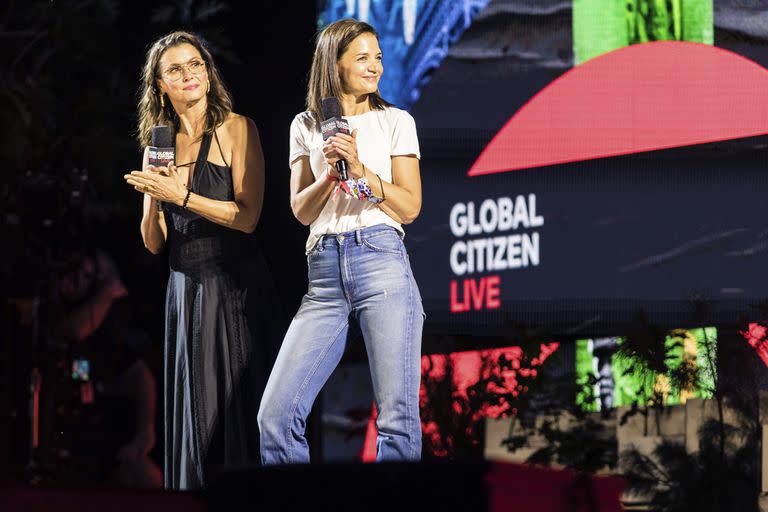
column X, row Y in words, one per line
column 176, row 72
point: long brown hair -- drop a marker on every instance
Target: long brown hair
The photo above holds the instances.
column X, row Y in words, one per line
column 324, row 79
column 150, row 109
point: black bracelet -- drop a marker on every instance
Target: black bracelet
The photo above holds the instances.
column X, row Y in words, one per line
column 186, row 199
column 381, row 186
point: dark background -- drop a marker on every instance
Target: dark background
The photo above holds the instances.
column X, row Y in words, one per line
column 69, row 78
column 69, row 83
column 71, row 74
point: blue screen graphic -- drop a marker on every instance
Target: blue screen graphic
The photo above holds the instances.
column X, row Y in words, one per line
column 414, row 37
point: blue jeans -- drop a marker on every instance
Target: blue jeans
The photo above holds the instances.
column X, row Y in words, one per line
column 361, row 276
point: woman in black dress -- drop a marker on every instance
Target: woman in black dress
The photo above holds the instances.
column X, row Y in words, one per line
column 220, row 301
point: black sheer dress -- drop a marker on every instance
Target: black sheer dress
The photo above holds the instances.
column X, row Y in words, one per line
column 222, row 324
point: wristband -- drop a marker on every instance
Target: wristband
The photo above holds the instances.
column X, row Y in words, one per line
column 360, row 189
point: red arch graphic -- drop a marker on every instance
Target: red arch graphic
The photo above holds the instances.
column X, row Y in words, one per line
column 635, row 99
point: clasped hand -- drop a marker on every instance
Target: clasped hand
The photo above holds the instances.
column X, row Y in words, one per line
column 162, row 183
column 343, row 147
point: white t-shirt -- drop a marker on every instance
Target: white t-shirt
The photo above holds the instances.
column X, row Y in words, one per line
column 381, row 134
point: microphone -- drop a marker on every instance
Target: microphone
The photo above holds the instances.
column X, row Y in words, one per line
column 161, row 150
column 332, row 124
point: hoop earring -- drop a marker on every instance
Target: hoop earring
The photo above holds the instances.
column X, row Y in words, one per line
column 162, row 101
column 209, row 87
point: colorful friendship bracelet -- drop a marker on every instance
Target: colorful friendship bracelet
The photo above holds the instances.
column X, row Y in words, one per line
column 360, row 189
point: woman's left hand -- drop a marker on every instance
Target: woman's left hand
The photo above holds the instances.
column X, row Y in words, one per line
column 164, row 184
column 346, row 147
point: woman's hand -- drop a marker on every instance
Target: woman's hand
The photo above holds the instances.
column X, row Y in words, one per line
column 162, row 183
column 343, row 147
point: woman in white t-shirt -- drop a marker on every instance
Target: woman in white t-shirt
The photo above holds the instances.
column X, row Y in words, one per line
column 358, row 266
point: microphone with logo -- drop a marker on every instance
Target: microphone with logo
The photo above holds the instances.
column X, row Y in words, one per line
column 332, row 124
column 161, row 150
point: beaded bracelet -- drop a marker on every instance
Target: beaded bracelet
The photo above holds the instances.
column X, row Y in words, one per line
column 186, row 199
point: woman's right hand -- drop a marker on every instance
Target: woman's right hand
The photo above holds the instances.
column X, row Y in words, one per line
column 161, row 183
column 331, row 157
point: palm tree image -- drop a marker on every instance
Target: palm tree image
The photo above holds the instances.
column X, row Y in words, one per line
column 601, row 26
